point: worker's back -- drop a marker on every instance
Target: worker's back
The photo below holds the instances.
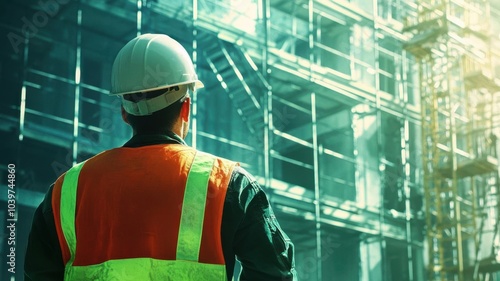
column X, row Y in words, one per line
column 140, row 211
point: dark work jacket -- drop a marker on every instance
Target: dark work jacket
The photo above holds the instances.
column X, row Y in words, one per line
column 249, row 231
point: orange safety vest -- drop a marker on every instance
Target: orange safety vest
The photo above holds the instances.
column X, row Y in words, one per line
column 147, row 213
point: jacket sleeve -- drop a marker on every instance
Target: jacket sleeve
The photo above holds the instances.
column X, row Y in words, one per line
column 262, row 247
column 43, row 261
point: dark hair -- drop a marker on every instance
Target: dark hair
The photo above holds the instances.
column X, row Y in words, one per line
column 160, row 121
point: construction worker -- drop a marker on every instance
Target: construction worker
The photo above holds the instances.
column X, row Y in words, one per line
column 156, row 209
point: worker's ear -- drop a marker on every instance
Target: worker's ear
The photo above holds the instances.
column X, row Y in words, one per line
column 185, row 109
column 124, row 115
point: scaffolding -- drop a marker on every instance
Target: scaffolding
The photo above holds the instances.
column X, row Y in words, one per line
column 316, row 98
column 459, row 100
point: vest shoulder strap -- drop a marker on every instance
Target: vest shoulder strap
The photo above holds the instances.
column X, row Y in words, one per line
column 193, row 207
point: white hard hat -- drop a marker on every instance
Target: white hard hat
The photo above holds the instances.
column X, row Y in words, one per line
column 151, row 62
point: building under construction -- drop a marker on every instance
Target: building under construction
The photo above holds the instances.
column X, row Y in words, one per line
column 372, row 125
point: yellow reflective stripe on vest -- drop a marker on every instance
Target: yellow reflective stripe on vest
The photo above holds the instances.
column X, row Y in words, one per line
column 139, row 269
column 68, row 208
column 193, row 208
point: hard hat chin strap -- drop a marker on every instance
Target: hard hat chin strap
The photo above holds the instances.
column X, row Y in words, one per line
column 150, row 106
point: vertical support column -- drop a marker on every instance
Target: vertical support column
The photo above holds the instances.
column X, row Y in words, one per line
column 402, row 81
column 76, row 117
column 311, row 34
column 427, row 152
column 456, row 202
column 317, row 203
column 381, row 213
column 139, row 17
column 407, row 191
column 453, row 106
column 194, row 100
column 380, row 150
column 317, row 58
column 268, row 102
column 22, row 106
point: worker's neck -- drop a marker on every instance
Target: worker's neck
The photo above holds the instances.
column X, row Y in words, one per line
column 177, row 131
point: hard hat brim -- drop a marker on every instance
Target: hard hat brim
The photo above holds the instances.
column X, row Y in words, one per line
column 197, row 85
